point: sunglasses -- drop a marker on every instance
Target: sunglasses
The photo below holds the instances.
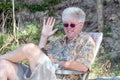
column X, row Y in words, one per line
column 71, row 25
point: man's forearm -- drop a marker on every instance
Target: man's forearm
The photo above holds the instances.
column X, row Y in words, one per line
column 43, row 41
column 73, row 65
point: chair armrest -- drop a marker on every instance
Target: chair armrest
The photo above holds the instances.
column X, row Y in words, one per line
column 69, row 72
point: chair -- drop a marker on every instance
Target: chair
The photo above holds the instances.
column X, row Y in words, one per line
column 97, row 37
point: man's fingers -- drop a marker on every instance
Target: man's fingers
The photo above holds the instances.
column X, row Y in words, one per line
column 53, row 22
column 44, row 21
column 48, row 21
column 54, row 31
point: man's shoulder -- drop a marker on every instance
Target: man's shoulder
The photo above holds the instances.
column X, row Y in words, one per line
column 88, row 37
column 85, row 35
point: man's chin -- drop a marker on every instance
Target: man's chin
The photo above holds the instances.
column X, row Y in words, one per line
column 70, row 37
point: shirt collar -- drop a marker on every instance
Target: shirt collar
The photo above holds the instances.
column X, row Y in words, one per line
column 65, row 38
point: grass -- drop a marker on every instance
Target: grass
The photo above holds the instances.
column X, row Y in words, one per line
column 104, row 67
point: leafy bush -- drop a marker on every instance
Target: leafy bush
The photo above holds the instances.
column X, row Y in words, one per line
column 29, row 34
column 3, row 39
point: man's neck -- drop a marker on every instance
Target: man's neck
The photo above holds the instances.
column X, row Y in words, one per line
column 68, row 39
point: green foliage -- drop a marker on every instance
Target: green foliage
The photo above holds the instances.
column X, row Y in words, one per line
column 95, row 71
column 104, row 2
column 34, row 8
column 5, row 6
column 51, row 13
column 107, row 31
column 3, row 39
column 12, row 47
column 53, row 2
column 30, row 34
column 116, row 69
column 107, row 35
column 51, row 6
column 46, row 5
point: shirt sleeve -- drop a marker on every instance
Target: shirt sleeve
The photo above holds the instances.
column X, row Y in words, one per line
column 85, row 51
column 50, row 47
column 53, row 47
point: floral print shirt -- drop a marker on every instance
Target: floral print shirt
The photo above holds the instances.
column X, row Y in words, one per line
column 81, row 49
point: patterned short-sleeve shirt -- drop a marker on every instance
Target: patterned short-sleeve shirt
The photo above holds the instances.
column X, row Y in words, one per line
column 81, row 49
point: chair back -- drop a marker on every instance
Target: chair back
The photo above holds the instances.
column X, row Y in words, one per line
column 97, row 37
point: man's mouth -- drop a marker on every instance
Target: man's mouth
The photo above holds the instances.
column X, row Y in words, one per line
column 70, row 31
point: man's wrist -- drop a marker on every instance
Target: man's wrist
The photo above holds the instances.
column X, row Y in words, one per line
column 58, row 65
column 44, row 36
column 44, row 50
column 43, row 41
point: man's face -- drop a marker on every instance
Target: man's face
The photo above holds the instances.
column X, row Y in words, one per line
column 72, row 28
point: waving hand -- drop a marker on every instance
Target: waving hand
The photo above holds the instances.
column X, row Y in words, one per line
column 48, row 27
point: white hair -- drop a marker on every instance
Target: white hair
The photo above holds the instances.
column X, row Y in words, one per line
column 73, row 12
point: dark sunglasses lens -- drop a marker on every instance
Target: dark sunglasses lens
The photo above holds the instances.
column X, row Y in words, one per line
column 65, row 25
column 72, row 25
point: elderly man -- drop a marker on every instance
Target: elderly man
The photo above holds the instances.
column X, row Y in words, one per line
column 74, row 51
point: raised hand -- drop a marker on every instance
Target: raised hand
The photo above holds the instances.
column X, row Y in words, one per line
column 48, row 27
